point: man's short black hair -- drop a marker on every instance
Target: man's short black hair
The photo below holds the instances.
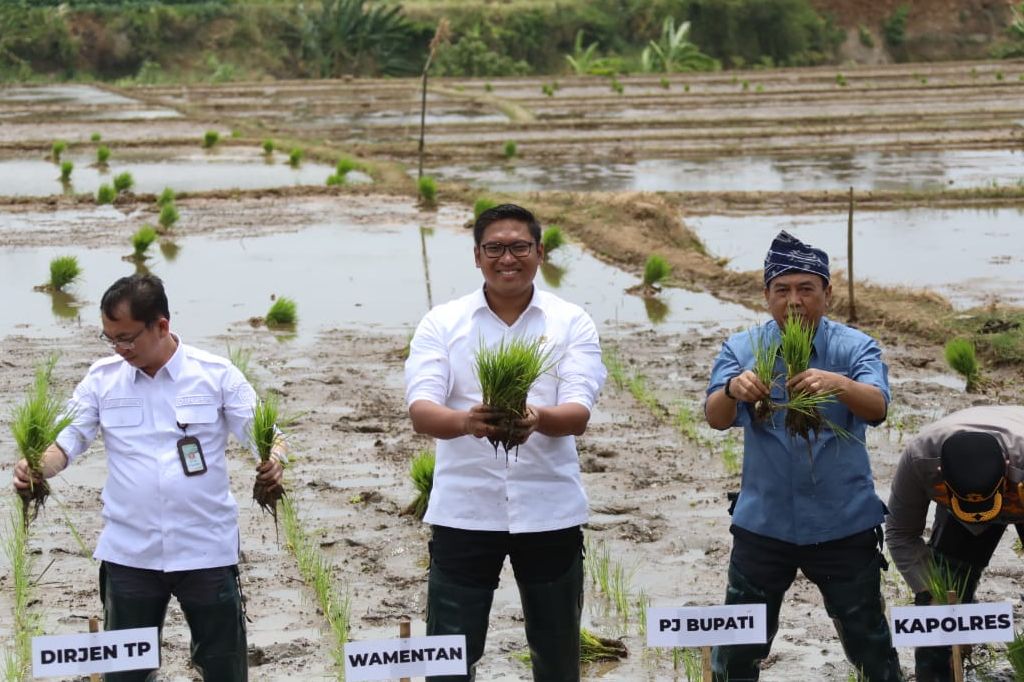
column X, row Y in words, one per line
column 506, row 212
column 144, row 294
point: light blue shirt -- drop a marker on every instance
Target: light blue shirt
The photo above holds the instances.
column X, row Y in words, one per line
column 782, row 495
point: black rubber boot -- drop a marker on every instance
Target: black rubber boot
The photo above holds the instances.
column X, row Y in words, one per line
column 858, row 611
column 935, row 663
column 454, row 609
column 130, row 612
column 552, row 612
column 741, row 663
column 219, row 649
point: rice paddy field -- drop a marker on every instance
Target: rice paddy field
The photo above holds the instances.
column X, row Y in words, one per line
column 701, row 169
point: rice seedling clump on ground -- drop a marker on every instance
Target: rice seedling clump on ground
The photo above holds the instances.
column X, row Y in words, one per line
column 63, row 271
column 268, row 146
column 166, row 197
column 65, row 170
column 552, row 238
column 482, row 204
column 210, row 139
column 142, row 240
column 168, row 216
column 427, row 187
column 295, row 157
column 123, row 182
column 57, row 149
column 656, row 271
column 421, row 471
column 105, row 194
column 961, row 357
column 283, row 313
column 102, row 155
column 511, row 149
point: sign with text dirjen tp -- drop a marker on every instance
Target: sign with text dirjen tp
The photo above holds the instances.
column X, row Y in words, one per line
column 390, row 659
column 95, row 652
column 695, row 626
column 956, row 624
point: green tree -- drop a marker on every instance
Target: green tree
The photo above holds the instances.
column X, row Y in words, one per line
column 354, row 37
column 673, row 51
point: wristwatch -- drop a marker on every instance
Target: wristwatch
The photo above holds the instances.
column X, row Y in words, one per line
column 729, row 395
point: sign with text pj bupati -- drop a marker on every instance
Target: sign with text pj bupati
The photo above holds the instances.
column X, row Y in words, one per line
column 694, row 626
column 95, row 652
column 390, row 659
column 947, row 625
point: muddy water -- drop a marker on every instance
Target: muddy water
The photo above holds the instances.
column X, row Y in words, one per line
column 971, row 256
column 74, row 95
column 342, row 276
column 923, row 170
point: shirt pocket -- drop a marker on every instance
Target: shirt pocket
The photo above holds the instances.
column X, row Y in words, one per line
column 196, row 409
column 120, row 412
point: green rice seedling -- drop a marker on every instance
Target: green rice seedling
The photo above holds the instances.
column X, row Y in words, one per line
column 745, row 85
column 840, row 80
column 335, row 180
column 506, row 372
column 641, row 392
column 1015, row 655
column 999, row 75
column 686, row 88
column 732, row 455
column 63, row 271
column 241, row 358
column 943, row 578
column 56, row 149
column 142, row 240
column 802, row 410
column 123, row 182
column 759, row 89
column 427, row 187
column 95, row 137
column 263, row 434
column 665, row 83
column 690, row 661
column 168, row 216
column 552, row 238
column 282, row 313
column 268, row 146
column 594, row 648
column 511, row 149
column 421, row 471
column 346, row 165
column 102, row 155
column 616, row 370
column 105, row 194
column 35, row 425
column 617, row 87
column 656, row 271
column 210, row 139
column 686, row 423
column 482, row 204
column 65, row 171
column 766, row 352
column 26, row 625
column 597, row 564
column 488, row 87
column 166, row 197
column 295, row 157
column 961, row 357
column 548, row 90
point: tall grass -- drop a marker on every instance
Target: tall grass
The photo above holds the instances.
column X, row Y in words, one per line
column 102, row 155
column 506, row 372
column 656, row 271
column 482, row 204
column 57, row 149
column 168, row 216
column 142, row 240
column 105, row 194
column 263, row 433
column 283, row 313
column 65, row 170
column 552, row 238
column 123, row 182
column 210, row 139
column 63, row 271
column 421, row 471
column 961, row 357
column 427, row 187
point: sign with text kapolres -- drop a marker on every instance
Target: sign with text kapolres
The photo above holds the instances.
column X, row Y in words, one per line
column 390, row 659
column 957, row 624
column 95, row 652
column 694, row 626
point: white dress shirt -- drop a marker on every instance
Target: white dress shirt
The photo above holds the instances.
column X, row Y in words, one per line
column 473, row 489
column 155, row 516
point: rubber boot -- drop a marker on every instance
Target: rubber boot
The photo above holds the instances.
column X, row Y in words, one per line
column 742, row 662
column 219, row 650
column 858, row 611
column 123, row 613
column 935, row 663
column 454, row 609
column 552, row 613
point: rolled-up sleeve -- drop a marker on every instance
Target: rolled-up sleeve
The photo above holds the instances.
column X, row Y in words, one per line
column 84, row 409
column 428, row 367
column 727, row 365
column 239, row 402
column 581, row 372
column 904, row 526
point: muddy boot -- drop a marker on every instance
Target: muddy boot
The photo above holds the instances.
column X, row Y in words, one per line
column 218, row 637
column 552, row 612
column 454, row 609
column 858, row 611
column 935, row 663
column 123, row 613
column 742, row 662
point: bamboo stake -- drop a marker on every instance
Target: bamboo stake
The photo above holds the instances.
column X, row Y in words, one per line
column 94, row 626
column 404, row 627
column 958, row 665
column 705, row 662
column 849, row 260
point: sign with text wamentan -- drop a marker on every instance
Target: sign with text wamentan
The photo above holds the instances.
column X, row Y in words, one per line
column 706, row 625
column 946, row 625
column 389, row 659
column 95, row 652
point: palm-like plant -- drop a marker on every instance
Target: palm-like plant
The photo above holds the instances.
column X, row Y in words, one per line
column 353, row 36
column 674, row 51
column 583, row 59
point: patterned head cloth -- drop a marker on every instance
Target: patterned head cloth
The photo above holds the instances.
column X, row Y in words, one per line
column 789, row 254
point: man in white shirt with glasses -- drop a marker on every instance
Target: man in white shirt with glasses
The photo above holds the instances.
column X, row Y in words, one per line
column 170, row 522
column 483, row 505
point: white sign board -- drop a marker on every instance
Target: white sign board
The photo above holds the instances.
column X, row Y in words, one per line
column 389, row 659
column 95, row 652
column 946, row 625
column 694, row 626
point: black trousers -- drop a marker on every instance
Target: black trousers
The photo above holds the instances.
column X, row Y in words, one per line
column 210, row 599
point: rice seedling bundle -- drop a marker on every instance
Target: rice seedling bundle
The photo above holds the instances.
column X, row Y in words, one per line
column 511, row 149
column 65, row 170
column 102, row 155
column 57, row 148
column 421, row 470
column 345, row 165
column 168, row 216
column 268, row 146
column 263, row 432
column 552, row 238
column 656, row 270
column 166, row 197
column 961, row 357
column 803, row 416
column 507, row 372
column 282, row 313
column 210, row 139
column 295, row 157
column 105, row 194
column 123, row 182
column 95, row 137
column 594, row 648
column 766, row 351
column 35, row 425
column 1015, row 655
column 142, row 240
column 943, row 578
column 334, row 180
column 63, row 271
column 482, row 204
column 427, row 187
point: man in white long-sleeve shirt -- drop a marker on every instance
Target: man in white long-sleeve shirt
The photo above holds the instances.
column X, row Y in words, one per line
column 485, row 506
column 170, row 522
column 971, row 465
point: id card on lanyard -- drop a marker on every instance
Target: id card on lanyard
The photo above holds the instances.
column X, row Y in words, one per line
column 190, row 452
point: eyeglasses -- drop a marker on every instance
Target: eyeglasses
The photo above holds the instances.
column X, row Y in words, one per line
column 122, row 344
column 497, row 249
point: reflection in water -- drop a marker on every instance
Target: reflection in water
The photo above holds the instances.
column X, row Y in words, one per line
column 140, row 265
column 657, row 309
column 63, row 305
column 552, row 274
column 169, row 250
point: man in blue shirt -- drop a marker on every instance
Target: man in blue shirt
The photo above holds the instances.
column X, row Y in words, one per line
column 805, row 503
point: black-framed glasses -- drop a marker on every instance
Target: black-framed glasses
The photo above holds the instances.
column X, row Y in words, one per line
column 519, row 249
column 122, row 344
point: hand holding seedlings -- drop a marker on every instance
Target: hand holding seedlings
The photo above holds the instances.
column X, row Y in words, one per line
column 483, row 421
column 746, row 387
column 523, row 427
column 270, row 473
column 817, row 381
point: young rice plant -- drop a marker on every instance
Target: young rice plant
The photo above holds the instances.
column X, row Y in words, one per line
column 656, row 271
column 166, row 197
column 142, row 240
column 123, row 182
column 295, row 157
column 63, row 271
column 1015, row 655
column 427, row 187
column 943, row 578
column 482, row 204
column 57, row 149
column 803, row 415
column 262, row 433
column 168, row 216
column 961, row 357
column 95, row 137
column 210, row 139
column 594, row 648
column 345, row 165
column 65, row 170
column 765, row 354
column 421, row 471
column 102, row 155
column 552, row 238
column 282, row 313
column 511, row 149
column 268, row 146
column 105, row 194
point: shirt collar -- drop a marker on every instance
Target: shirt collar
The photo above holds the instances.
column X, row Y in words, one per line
column 173, row 366
column 479, row 300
